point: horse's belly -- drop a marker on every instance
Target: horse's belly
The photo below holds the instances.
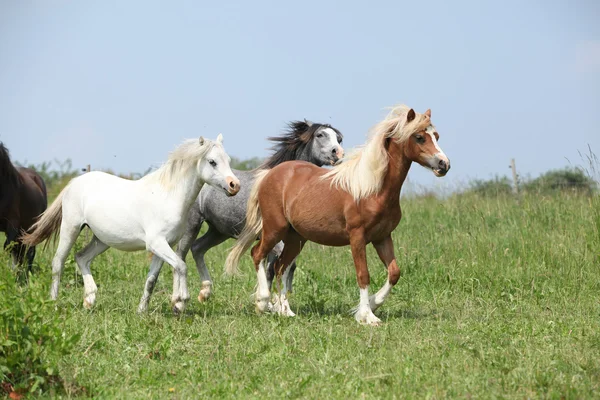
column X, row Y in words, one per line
column 119, row 239
column 322, row 231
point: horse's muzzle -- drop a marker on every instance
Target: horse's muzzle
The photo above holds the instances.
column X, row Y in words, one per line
column 233, row 186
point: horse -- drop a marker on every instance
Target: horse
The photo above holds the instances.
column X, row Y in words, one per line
column 319, row 144
column 149, row 213
column 355, row 203
column 23, row 198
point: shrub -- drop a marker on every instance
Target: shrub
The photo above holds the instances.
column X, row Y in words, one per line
column 492, row 187
column 567, row 179
column 31, row 338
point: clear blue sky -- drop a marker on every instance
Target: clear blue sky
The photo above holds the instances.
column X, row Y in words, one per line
column 118, row 84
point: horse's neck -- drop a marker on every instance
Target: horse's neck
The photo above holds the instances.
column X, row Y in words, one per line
column 396, row 173
column 185, row 189
column 306, row 155
column 190, row 189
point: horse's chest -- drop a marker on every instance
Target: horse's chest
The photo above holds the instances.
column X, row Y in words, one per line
column 382, row 223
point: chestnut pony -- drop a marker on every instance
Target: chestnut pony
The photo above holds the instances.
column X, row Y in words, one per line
column 355, row 203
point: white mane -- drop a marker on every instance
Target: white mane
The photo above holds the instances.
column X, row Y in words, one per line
column 180, row 160
column 362, row 172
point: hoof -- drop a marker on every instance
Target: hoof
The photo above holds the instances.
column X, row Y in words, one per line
column 367, row 318
column 178, row 308
column 89, row 300
column 281, row 306
column 205, row 292
column 261, row 305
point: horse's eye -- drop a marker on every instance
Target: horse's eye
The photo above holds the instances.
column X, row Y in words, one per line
column 319, row 135
column 420, row 139
column 212, row 162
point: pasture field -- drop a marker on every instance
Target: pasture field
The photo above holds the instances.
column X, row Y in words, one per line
column 499, row 298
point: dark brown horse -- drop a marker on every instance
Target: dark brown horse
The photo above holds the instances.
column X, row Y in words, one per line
column 22, row 199
column 355, row 203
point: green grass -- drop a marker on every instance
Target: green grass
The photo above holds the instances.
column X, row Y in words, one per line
column 499, row 298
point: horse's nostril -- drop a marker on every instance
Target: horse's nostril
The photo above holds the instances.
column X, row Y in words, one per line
column 232, row 185
column 334, row 151
column 442, row 164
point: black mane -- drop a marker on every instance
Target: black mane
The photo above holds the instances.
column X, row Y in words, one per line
column 295, row 143
column 8, row 172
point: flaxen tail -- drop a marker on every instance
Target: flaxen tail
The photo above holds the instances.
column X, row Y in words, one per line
column 251, row 230
column 47, row 225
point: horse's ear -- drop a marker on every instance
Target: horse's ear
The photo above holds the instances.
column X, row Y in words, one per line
column 428, row 112
column 220, row 138
column 307, row 122
column 410, row 115
column 201, row 140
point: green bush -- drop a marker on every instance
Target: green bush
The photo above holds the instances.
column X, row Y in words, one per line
column 567, row 179
column 560, row 180
column 31, row 338
column 492, row 187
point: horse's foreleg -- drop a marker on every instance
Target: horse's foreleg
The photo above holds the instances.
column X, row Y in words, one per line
column 155, row 267
column 385, row 251
column 209, row 240
column 363, row 313
column 30, row 256
column 180, row 295
column 12, row 245
column 84, row 259
column 194, row 223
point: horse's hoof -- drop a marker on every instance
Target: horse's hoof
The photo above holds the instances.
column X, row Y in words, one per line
column 204, row 294
column 367, row 318
column 261, row 306
column 89, row 300
column 178, row 308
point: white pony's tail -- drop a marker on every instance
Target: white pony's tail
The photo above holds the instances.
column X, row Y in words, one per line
column 252, row 228
column 47, row 225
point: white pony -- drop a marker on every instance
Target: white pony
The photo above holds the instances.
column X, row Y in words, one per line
column 150, row 213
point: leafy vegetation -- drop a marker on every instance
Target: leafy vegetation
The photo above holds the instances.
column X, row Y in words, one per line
column 246, row 165
column 560, row 180
column 32, row 338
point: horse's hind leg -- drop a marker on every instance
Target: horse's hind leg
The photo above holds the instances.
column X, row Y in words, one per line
column 84, row 259
column 274, row 230
column 68, row 236
column 292, row 247
column 271, row 259
column 209, row 240
column 155, row 266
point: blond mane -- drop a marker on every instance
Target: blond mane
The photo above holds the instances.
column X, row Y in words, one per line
column 180, row 160
column 361, row 173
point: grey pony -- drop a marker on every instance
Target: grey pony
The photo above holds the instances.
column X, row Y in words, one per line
column 316, row 143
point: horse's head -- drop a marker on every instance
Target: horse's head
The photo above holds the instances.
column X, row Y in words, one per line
column 326, row 144
column 422, row 146
column 214, row 167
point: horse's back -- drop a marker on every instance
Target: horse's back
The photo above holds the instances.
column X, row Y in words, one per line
column 312, row 207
